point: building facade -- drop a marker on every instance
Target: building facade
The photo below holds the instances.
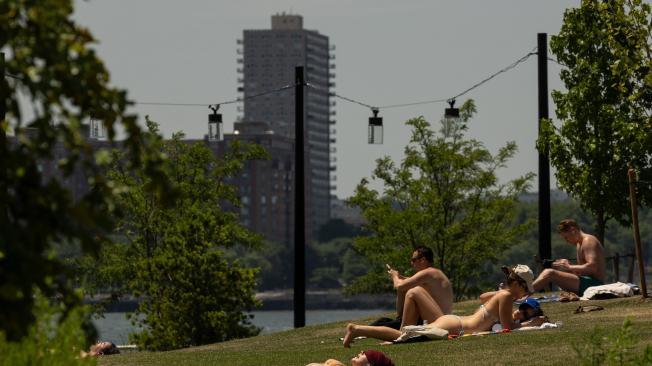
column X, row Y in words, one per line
column 267, row 62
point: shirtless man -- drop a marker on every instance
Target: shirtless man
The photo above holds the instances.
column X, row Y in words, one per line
column 589, row 270
column 427, row 294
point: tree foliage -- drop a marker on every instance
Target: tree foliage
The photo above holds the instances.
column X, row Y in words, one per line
column 605, row 110
column 444, row 195
column 53, row 82
column 174, row 256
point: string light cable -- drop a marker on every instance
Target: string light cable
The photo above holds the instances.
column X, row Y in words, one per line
column 285, row 87
column 350, row 100
column 441, row 100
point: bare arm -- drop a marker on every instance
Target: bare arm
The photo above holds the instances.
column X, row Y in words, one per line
column 505, row 303
column 405, row 283
column 591, row 256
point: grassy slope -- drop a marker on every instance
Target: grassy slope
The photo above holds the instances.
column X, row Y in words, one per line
column 318, row 343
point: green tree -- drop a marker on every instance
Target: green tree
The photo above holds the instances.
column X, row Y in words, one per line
column 444, row 195
column 605, row 48
column 52, row 69
column 174, row 256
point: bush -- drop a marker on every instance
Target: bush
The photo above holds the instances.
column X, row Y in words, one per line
column 616, row 349
column 54, row 339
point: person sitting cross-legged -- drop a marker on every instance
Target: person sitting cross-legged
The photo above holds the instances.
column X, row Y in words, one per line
column 589, row 270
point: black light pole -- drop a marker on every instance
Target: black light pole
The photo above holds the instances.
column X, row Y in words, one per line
column 3, row 97
column 545, row 250
column 299, row 205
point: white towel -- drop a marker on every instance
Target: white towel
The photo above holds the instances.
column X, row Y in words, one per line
column 617, row 289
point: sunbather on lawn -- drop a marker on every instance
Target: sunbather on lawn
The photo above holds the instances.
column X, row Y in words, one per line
column 365, row 358
column 497, row 309
column 428, row 294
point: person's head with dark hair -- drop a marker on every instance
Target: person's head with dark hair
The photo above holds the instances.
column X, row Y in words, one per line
column 423, row 252
column 528, row 309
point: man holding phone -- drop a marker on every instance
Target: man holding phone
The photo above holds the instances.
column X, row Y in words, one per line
column 428, row 294
column 589, row 270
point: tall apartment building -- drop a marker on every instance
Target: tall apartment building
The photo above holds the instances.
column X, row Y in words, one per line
column 267, row 61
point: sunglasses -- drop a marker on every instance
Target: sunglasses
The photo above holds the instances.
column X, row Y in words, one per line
column 414, row 259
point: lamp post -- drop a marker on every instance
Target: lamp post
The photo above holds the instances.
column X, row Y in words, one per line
column 545, row 250
column 299, row 297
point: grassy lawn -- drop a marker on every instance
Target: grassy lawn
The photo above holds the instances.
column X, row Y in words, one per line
column 318, row 343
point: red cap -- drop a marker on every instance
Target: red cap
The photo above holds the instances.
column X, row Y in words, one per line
column 377, row 358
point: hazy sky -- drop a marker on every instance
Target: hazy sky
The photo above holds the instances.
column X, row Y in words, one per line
column 387, row 52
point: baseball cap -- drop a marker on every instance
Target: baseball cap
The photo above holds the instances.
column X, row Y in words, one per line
column 525, row 273
column 534, row 304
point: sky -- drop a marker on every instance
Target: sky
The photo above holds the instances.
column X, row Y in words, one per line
column 387, row 52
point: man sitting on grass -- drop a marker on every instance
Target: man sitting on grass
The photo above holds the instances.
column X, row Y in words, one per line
column 428, row 294
column 589, row 270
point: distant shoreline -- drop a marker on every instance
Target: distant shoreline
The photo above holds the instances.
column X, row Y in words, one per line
column 282, row 300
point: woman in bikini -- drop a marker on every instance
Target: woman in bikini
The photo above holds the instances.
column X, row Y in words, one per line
column 497, row 309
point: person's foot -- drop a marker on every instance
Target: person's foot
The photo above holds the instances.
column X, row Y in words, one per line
column 350, row 335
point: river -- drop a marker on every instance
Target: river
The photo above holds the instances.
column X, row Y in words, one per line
column 116, row 328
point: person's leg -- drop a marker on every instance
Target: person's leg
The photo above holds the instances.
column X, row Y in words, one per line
column 382, row 333
column 419, row 303
column 567, row 281
column 400, row 301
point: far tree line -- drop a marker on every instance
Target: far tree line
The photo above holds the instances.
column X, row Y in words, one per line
column 152, row 224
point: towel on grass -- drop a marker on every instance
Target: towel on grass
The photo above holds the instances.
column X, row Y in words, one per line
column 412, row 333
column 608, row 291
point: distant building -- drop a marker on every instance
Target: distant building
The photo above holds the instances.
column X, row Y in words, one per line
column 267, row 61
column 348, row 214
column 266, row 187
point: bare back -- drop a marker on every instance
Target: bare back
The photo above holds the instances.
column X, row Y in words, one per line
column 590, row 250
column 439, row 288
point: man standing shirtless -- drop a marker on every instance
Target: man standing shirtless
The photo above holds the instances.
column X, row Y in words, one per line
column 589, row 270
column 427, row 294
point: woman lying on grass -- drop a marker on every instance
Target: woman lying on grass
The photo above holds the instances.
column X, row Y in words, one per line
column 365, row 358
column 498, row 309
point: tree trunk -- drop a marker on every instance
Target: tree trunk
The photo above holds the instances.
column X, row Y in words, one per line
column 601, row 223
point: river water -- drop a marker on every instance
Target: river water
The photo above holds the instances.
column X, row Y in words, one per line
column 116, row 328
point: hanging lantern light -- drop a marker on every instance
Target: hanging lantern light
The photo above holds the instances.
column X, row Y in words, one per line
column 452, row 112
column 452, row 116
column 214, row 124
column 375, row 128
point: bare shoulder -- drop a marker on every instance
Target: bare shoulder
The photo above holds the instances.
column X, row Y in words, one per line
column 590, row 241
column 434, row 273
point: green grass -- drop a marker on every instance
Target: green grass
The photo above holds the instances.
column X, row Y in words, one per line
column 318, row 343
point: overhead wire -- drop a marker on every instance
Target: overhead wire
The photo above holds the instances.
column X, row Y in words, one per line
column 336, row 95
column 285, row 87
column 442, row 100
